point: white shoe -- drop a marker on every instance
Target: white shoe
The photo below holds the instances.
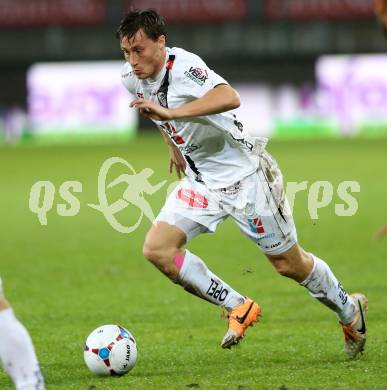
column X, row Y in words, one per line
column 355, row 331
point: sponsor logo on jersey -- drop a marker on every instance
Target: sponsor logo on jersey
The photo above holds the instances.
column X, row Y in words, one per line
column 162, row 97
column 198, row 75
column 268, row 235
column 233, row 189
column 125, row 75
column 256, row 225
column 189, row 148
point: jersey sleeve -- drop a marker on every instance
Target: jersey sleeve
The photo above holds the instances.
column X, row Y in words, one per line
column 193, row 78
column 128, row 79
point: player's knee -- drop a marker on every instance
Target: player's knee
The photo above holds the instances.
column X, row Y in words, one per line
column 161, row 257
column 283, row 268
column 295, row 264
column 282, row 264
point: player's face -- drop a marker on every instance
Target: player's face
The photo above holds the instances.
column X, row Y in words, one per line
column 145, row 55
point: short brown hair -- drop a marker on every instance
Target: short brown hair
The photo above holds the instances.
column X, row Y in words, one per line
column 149, row 20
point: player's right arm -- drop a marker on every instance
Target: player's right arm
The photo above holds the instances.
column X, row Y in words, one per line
column 176, row 159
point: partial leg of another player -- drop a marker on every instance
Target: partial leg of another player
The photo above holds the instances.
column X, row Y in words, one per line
column 164, row 248
column 17, row 352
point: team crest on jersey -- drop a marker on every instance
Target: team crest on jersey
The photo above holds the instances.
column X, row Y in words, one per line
column 162, row 97
column 140, row 95
column 198, row 75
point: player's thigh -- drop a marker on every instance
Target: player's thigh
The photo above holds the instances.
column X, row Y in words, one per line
column 267, row 219
column 273, row 234
column 192, row 208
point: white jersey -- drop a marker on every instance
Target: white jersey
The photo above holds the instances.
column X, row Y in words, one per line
column 217, row 149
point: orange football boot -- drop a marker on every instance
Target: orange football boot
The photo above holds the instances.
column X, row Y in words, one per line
column 239, row 319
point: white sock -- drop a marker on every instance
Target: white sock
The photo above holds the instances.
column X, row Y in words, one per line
column 17, row 353
column 197, row 279
column 324, row 286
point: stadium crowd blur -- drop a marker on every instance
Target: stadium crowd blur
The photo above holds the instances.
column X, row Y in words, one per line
column 272, row 42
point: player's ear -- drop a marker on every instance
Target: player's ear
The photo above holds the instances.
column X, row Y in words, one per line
column 161, row 41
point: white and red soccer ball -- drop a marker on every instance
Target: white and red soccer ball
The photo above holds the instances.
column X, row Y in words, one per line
column 110, row 350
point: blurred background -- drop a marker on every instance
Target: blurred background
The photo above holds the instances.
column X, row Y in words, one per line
column 304, row 68
column 312, row 75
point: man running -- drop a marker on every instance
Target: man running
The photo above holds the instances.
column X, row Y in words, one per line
column 228, row 174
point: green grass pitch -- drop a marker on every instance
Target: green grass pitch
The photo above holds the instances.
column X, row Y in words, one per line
column 77, row 273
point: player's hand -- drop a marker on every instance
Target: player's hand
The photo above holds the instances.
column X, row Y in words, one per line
column 152, row 110
column 380, row 6
column 176, row 161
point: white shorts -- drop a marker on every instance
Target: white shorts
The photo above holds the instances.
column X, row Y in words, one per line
column 256, row 203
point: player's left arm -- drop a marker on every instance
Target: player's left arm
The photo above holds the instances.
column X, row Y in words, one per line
column 219, row 99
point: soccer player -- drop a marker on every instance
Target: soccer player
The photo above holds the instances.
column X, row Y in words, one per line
column 17, row 352
column 228, row 174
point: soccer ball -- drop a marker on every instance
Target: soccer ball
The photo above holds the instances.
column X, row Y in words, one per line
column 110, row 350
